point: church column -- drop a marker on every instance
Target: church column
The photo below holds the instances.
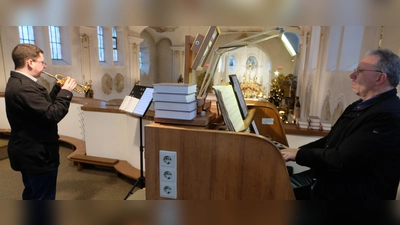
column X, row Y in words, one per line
column 178, row 62
column 134, row 49
column 301, row 66
column 301, row 60
column 85, row 35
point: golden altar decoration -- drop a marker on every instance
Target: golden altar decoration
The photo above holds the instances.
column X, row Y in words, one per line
column 252, row 89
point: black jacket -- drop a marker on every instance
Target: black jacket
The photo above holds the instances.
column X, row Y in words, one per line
column 360, row 157
column 33, row 115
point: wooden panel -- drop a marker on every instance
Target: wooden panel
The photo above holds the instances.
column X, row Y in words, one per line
column 188, row 59
column 216, row 165
column 268, row 110
column 199, row 120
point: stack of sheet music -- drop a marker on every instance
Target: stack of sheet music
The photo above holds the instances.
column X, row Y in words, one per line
column 303, row 123
column 315, row 122
column 326, row 125
column 175, row 101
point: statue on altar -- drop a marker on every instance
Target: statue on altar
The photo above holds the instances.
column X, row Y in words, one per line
column 89, row 93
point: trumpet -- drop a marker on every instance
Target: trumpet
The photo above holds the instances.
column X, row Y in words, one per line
column 80, row 88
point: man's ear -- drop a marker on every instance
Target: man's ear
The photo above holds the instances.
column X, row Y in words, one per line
column 381, row 78
column 29, row 63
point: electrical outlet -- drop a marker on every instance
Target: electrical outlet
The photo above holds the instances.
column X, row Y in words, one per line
column 167, row 174
column 167, row 158
column 168, row 190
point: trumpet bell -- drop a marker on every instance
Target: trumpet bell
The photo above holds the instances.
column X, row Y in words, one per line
column 85, row 88
column 80, row 88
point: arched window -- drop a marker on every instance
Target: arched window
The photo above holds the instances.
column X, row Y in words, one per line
column 26, row 35
column 100, row 39
column 251, row 63
column 114, row 43
column 144, row 58
column 55, row 42
column 140, row 59
column 232, row 62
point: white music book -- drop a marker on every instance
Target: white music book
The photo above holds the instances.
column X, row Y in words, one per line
column 179, row 115
column 177, row 106
column 165, row 97
column 174, row 88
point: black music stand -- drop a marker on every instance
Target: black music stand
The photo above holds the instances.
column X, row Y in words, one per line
column 145, row 96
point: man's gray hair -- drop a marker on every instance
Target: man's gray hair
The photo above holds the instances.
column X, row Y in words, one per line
column 388, row 63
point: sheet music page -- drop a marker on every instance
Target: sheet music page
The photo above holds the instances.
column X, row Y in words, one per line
column 231, row 106
column 144, row 102
column 132, row 104
column 224, row 113
column 125, row 103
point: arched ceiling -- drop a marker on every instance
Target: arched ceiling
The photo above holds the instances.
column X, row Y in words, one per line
column 177, row 33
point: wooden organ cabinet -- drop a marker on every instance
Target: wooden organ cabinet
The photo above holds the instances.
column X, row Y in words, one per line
column 208, row 163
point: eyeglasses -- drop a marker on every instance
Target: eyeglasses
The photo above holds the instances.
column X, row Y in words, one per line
column 357, row 71
column 42, row 62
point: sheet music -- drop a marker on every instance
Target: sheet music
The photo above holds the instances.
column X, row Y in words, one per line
column 132, row 104
column 144, row 102
column 125, row 103
column 231, row 107
column 223, row 109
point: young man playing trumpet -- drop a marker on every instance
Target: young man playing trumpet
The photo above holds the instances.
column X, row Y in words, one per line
column 33, row 114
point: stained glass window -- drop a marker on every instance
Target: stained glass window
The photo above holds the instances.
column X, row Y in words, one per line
column 232, row 62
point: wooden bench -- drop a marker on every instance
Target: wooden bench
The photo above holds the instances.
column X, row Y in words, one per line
column 79, row 157
column 78, row 146
column 80, row 160
column 127, row 170
column 3, row 149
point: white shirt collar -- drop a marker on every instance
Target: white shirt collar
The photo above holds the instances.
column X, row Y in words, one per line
column 30, row 77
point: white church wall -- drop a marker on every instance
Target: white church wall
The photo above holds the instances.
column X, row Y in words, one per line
column 147, row 78
column 164, row 62
column 9, row 39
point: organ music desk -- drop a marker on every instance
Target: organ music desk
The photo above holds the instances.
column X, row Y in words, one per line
column 213, row 164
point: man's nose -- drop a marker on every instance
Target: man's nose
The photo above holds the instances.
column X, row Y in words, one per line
column 353, row 75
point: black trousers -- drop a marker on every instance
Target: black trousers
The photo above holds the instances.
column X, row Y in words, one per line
column 41, row 186
column 301, row 183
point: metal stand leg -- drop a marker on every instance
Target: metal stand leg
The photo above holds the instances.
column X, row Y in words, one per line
column 141, row 180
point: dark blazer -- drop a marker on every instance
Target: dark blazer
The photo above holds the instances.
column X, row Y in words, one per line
column 360, row 157
column 33, row 115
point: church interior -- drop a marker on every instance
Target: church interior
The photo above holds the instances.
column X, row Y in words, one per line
column 110, row 60
column 108, row 154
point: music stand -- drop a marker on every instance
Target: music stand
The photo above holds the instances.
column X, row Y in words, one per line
column 139, row 99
